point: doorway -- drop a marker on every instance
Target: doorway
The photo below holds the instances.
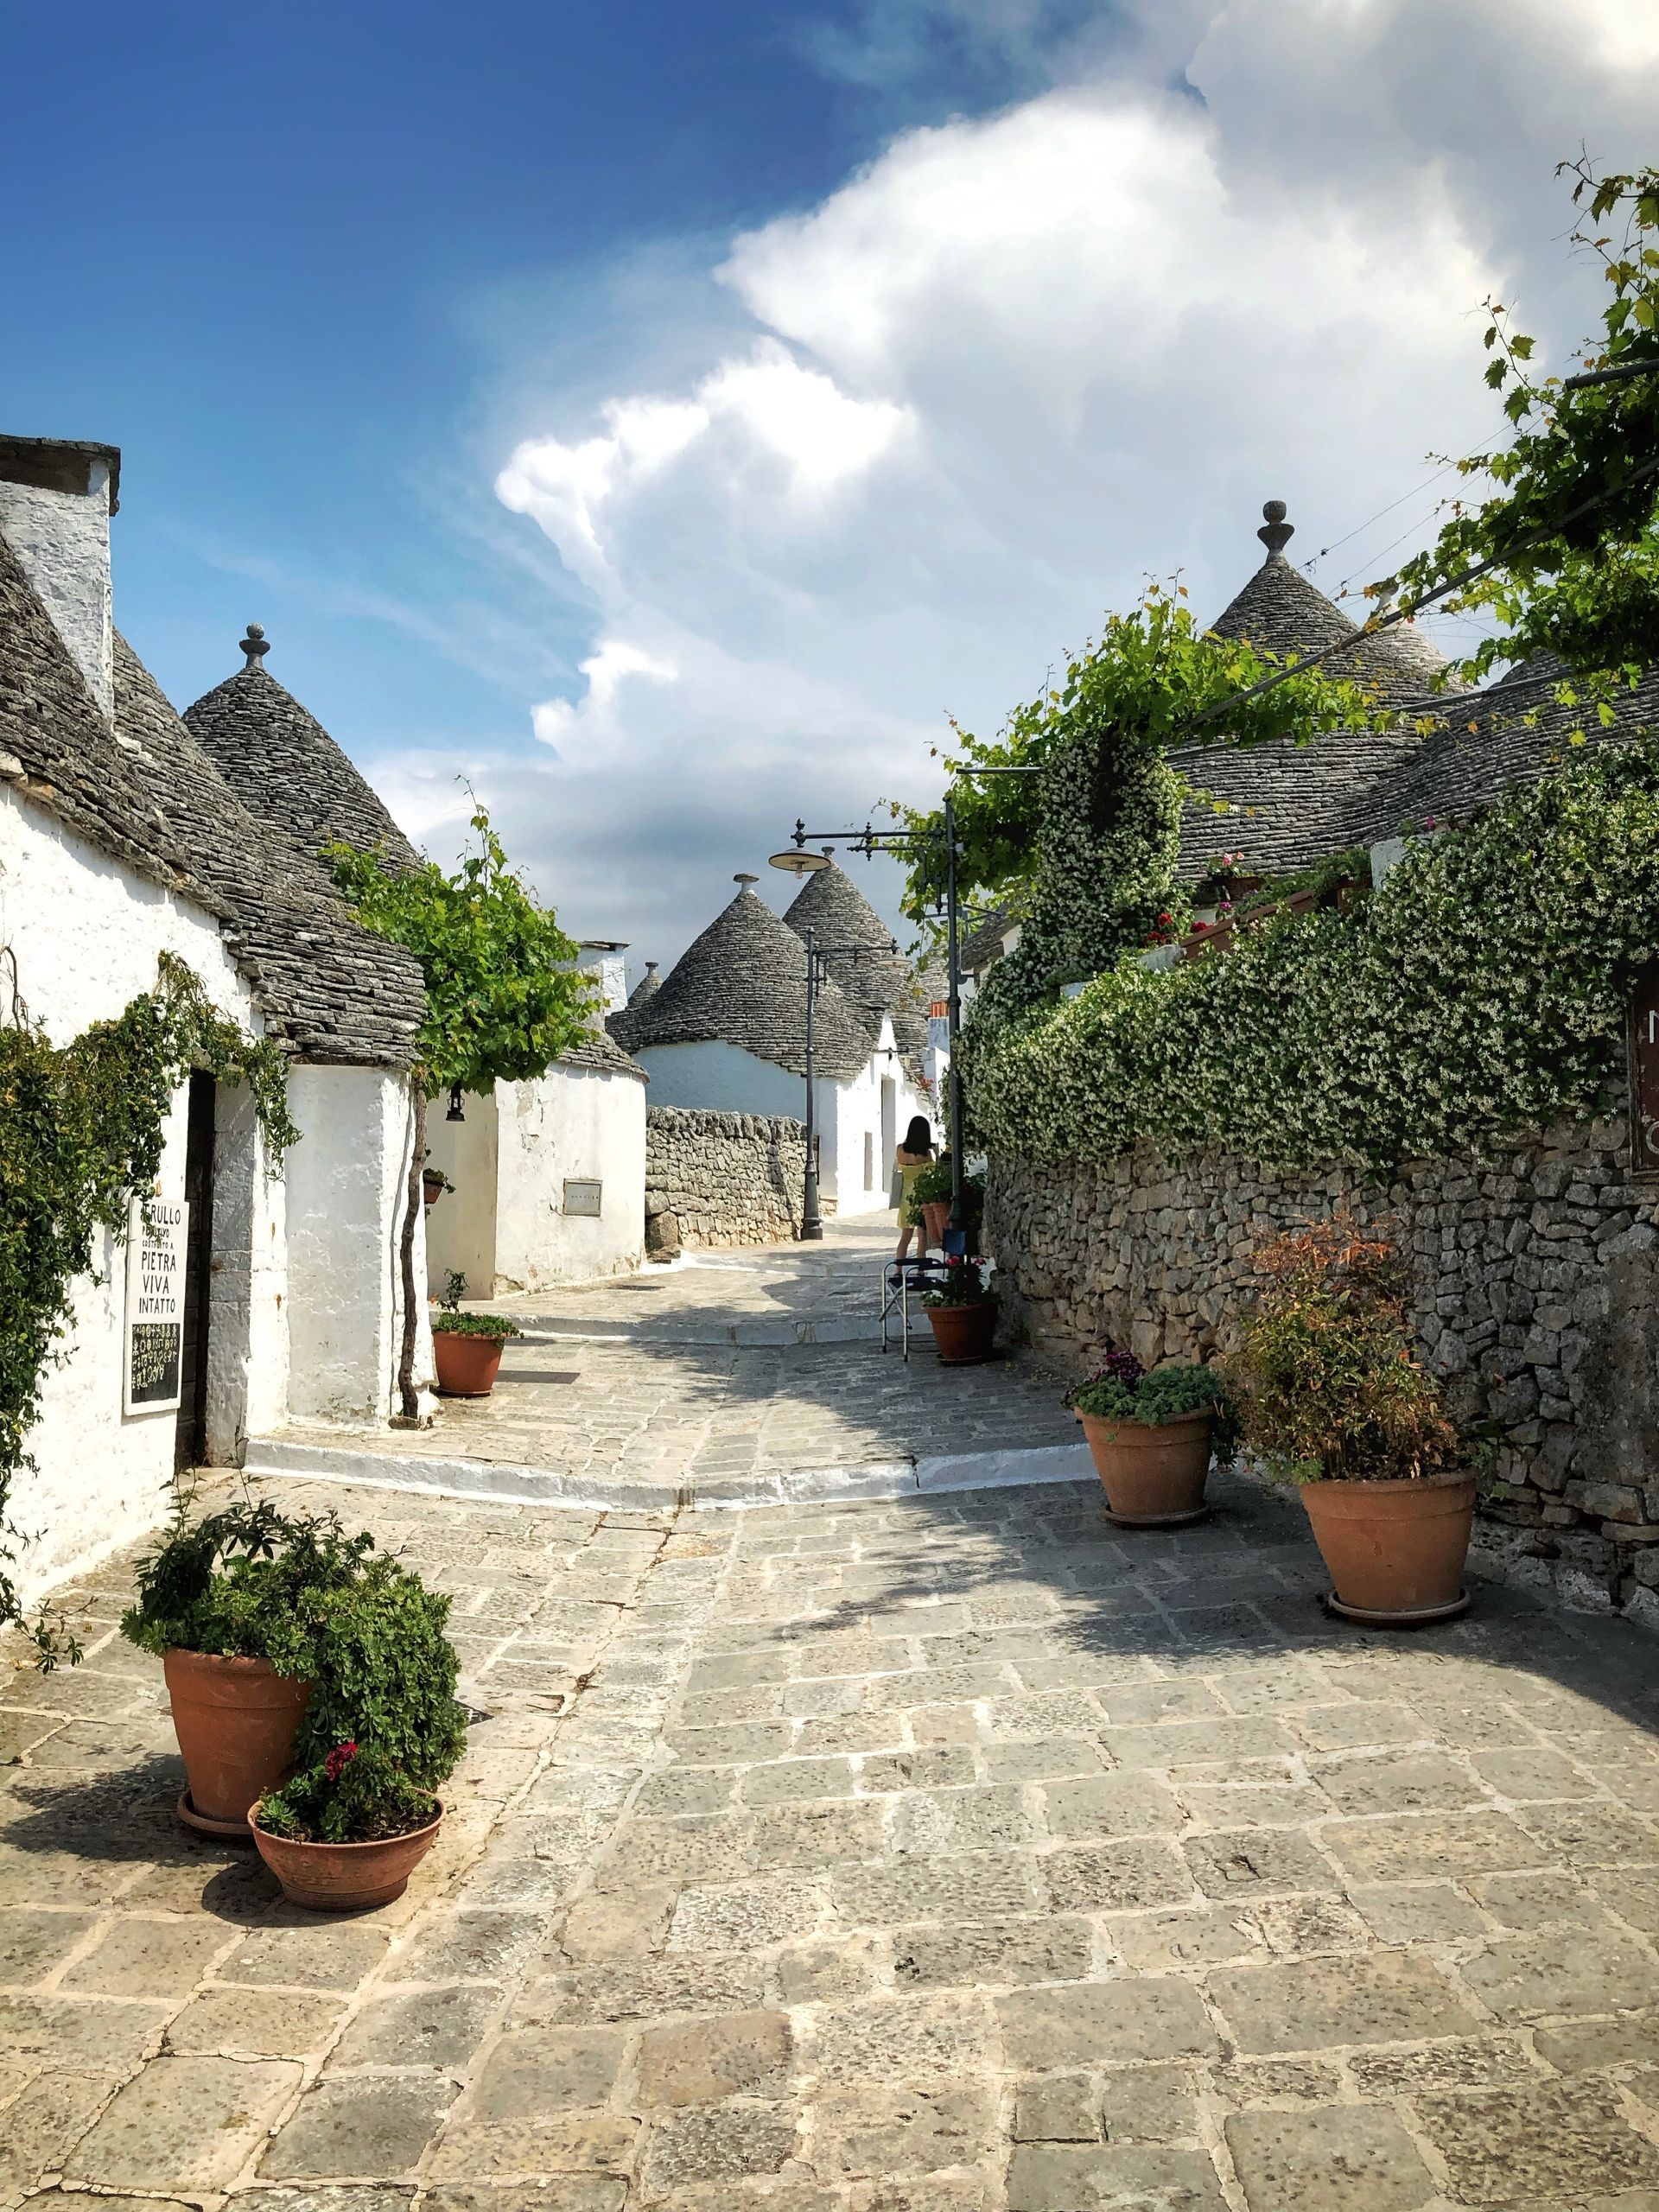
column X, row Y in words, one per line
column 190, row 1435
column 889, row 1127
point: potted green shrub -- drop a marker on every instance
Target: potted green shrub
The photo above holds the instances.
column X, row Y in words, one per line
column 962, row 1306
column 233, row 1605
column 1335, row 1398
column 1152, row 1433
column 281, row 1638
column 466, row 1347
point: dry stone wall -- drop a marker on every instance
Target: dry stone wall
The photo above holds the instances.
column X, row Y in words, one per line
column 1535, row 1282
column 715, row 1179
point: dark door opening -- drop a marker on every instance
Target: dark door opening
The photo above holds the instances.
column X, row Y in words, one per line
column 190, row 1437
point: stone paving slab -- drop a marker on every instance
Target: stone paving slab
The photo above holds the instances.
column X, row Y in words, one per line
column 955, row 1853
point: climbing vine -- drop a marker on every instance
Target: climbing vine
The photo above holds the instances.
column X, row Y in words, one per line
column 1564, row 553
column 1085, row 852
column 1479, row 992
column 82, row 1129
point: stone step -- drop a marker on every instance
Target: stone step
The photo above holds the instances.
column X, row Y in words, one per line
column 505, row 1481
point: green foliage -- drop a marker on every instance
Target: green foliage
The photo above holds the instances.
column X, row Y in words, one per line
column 496, row 1326
column 322, row 1607
column 1573, row 518
column 1154, row 1395
column 1479, row 992
column 965, row 1283
column 249, row 1582
column 1103, row 823
column 352, row 1797
column 502, row 1002
column 450, row 1321
column 1330, row 1389
column 82, row 1128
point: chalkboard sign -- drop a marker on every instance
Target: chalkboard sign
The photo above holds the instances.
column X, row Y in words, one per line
column 155, row 1332
column 1644, row 1071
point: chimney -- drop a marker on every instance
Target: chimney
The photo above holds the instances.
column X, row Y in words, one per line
column 601, row 957
column 56, row 497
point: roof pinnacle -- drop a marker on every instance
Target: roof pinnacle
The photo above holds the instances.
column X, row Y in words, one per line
column 745, row 879
column 254, row 645
column 1277, row 533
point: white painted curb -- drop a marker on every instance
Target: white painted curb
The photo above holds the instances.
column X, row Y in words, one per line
column 505, row 1483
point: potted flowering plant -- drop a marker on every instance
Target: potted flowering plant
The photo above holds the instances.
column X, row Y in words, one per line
column 383, row 1728
column 963, row 1309
column 281, row 1637
column 466, row 1347
column 1152, row 1434
column 1335, row 1400
column 434, row 1183
column 347, row 1834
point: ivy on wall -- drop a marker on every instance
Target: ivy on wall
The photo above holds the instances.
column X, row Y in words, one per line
column 1479, row 992
column 82, row 1129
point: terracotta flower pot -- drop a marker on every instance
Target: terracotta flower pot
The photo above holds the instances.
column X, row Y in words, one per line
column 432, row 1188
column 236, row 1721
column 345, row 1877
column 937, row 1215
column 1152, row 1475
column 467, row 1365
column 963, row 1333
column 1395, row 1549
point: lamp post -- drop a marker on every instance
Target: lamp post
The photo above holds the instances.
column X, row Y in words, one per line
column 868, row 840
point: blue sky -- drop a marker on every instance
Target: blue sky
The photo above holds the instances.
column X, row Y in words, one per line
column 661, row 414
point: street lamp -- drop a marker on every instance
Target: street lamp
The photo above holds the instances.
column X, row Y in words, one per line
column 871, row 840
column 798, row 861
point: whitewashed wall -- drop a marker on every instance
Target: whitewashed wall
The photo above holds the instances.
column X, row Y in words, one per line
column 859, row 1133
column 723, row 1078
column 347, row 1179
column 87, row 934
column 504, row 1226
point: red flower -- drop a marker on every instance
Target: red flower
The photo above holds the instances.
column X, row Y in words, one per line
column 338, row 1760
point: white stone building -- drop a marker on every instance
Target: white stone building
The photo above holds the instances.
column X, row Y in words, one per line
column 725, row 1030
column 121, row 840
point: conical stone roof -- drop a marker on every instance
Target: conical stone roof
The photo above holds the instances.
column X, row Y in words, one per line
column 1280, row 612
column 832, row 906
column 743, row 982
column 647, row 987
column 285, row 768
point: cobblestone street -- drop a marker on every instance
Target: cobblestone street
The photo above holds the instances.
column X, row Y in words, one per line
column 950, row 1854
column 732, row 1376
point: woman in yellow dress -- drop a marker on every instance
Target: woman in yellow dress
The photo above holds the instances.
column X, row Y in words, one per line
column 909, row 1159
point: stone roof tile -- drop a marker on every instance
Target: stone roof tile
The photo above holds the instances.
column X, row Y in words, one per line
column 145, row 794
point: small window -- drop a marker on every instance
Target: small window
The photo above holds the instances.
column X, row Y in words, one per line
column 582, row 1198
column 869, row 1160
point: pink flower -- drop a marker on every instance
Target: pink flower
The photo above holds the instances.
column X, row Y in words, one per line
column 338, row 1760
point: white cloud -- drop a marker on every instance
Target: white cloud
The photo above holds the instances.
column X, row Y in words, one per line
column 1021, row 360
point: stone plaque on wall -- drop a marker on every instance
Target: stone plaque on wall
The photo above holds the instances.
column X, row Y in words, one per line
column 153, row 1352
column 1644, row 1071
column 582, row 1198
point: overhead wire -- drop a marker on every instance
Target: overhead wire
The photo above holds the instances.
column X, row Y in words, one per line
column 1360, row 527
